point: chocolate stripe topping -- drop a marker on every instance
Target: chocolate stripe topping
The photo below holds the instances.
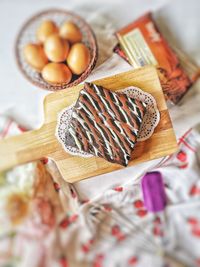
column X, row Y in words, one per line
column 105, row 123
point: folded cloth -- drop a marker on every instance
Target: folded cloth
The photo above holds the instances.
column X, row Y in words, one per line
column 32, row 209
column 44, row 216
column 121, row 232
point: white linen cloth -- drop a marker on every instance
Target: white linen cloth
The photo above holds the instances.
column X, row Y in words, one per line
column 46, row 217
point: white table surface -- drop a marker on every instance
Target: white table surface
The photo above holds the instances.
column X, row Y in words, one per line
column 23, row 101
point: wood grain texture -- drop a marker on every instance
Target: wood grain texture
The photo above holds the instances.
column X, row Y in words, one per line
column 42, row 142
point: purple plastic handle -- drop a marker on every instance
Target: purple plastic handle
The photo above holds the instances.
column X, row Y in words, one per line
column 154, row 192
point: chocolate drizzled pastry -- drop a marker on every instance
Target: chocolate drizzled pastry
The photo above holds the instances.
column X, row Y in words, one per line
column 105, row 123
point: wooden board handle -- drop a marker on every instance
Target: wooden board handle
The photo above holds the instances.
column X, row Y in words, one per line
column 23, row 148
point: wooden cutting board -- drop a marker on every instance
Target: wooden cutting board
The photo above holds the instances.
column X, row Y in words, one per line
column 41, row 143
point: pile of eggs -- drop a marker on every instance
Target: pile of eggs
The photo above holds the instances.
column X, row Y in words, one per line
column 59, row 52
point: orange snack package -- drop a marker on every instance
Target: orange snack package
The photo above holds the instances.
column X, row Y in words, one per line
column 141, row 43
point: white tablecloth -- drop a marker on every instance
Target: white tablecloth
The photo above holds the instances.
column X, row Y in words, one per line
column 23, row 101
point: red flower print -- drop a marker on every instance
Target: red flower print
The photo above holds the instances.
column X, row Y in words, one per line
column 115, row 230
column 132, row 261
column 118, row 189
column 22, row 128
column 192, row 221
column 195, row 226
column 56, row 186
column 121, row 237
column 138, row 204
column 157, row 231
column 198, row 262
column 142, row 213
column 182, row 156
column 63, row 262
column 73, row 218
column 44, row 161
column 196, row 231
column 183, row 166
column 68, row 220
column 64, row 223
column 91, row 241
column 107, row 207
column 98, row 260
column 85, row 248
column 194, row 190
column 97, row 264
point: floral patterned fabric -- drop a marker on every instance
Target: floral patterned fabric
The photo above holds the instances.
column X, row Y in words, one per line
column 43, row 223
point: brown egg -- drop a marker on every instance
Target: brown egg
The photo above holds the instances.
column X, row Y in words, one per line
column 46, row 29
column 56, row 73
column 56, row 48
column 70, row 32
column 78, row 58
column 35, row 56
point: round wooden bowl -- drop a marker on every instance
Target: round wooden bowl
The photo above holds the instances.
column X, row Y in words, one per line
column 27, row 35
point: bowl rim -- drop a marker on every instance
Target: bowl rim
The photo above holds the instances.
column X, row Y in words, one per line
column 60, row 86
